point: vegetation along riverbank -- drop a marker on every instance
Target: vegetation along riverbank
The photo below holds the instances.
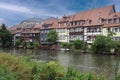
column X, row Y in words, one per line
column 23, row 68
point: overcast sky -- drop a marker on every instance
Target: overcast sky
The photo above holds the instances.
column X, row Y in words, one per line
column 14, row 11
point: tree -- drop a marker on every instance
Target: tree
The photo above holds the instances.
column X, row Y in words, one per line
column 5, row 37
column 78, row 44
column 110, row 34
column 19, row 42
column 52, row 36
column 103, row 44
column 66, row 45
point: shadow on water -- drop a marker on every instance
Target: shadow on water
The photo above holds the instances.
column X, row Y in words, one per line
column 100, row 64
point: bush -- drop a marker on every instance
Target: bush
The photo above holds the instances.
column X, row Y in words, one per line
column 23, row 68
column 5, row 37
column 19, row 42
column 29, row 45
column 103, row 44
column 36, row 44
column 78, row 44
column 66, row 45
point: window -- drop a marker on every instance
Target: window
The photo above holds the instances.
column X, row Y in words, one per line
column 30, row 34
column 116, row 38
column 98, row 29
column 41, row 38
column 88, row 29
column 76, row 29
column 45, row 31
column 64, row 24
column 41, row 31
column 72, row 30
column 91, row 30
column 116, row 29
column 81, row 23
column 63, row 37
column 88, row 22
column 75, row 23
column 107, row 21
column 114, row 21
column 79, row 29
column 117, row 21
column 119, row 29
column 78, row 23
column 89, row 38
column 71, row 24
column 59, row 24
column 100, row 20
column 108, row 29
column 60, row 30
column 60, row 37
column 113, row 30
column 63, row 30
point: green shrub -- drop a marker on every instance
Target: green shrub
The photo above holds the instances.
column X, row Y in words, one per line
column 24, row 68
column 103, row 44
column 66, row 45
column 78, row 44
column 36, row 44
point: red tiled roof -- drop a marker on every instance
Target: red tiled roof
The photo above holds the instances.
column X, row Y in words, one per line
column 38, row 26
column 114, row 15
column 112, row 25
column 53, row 22
column 94, row 15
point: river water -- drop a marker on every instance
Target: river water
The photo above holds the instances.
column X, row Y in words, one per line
column 85, row 62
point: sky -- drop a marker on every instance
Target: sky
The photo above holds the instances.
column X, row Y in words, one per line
column 12, row 12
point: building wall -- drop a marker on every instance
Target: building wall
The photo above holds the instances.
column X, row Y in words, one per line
column 43, row 34
column 90, row 33
column 116, row 30
column 76, row 33
column 63, row 35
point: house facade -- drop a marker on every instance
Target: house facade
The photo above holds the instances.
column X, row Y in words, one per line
column 63, row 29
column 84, row 25
column 47, row 26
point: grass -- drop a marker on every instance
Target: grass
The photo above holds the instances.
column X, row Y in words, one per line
column 23, row 68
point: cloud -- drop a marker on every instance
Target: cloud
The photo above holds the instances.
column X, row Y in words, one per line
column 2, row 20
column 116, row 3
column 16, row 8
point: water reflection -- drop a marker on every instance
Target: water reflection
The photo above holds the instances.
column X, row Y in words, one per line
column 99, row 64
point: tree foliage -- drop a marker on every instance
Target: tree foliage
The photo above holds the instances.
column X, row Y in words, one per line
column 66, row 45
column 52, row 36
column 5, row 37
column 19, row 42
column 78, row 44
column 103, row 44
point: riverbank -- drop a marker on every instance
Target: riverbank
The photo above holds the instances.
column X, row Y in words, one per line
column 23, row 68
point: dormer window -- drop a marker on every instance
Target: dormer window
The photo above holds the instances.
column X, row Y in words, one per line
column 65, row 24
column 75, row 23
column 71, row 24
column 59, row 24
column 117, row 20
column 100, row 20
column 88, row 21
column 112, row 21
column 107, row 21
column 78, row 23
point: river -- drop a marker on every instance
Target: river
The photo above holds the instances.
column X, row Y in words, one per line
column 85, row 62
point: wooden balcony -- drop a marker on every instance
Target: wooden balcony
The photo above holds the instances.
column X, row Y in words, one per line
column 76, row 33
